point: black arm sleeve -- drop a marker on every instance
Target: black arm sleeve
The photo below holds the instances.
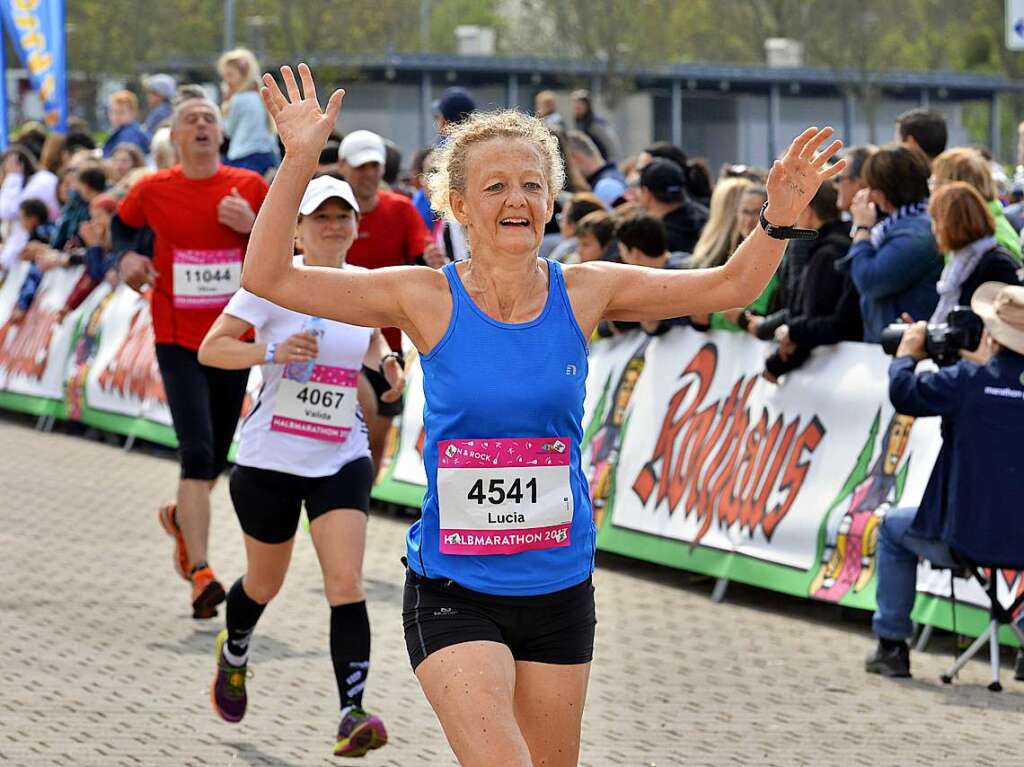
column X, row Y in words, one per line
column 844, row 324
column 126, row 238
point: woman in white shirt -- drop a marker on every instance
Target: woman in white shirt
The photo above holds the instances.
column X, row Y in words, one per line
column 253, row 144
column 304, row 442
column 23, row 180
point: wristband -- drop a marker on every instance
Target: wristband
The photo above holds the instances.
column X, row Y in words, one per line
column 785, row 232
column 271, row 351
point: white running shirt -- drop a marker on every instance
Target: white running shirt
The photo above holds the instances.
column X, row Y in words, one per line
column 313, row 428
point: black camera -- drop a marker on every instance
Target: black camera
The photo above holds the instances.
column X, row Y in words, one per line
column 944, row 340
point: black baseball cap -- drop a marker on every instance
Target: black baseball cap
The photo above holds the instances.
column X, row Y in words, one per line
column 664, row 179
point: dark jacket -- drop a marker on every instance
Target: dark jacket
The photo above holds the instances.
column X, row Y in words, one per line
column 74, row 213
column 822, row 306
column 601, row 133
column 973, row 498
column 683, row 226
column 899, row 276
column 997, row 265
column 825, row 306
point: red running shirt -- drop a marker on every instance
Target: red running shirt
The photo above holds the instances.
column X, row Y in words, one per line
column 182, row 212
column 392, row 234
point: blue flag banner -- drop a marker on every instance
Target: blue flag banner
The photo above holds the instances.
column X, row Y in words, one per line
column 36, row 27
column 3, row 90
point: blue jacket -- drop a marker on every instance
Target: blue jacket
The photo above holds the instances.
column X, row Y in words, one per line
column 898, row 277
column 130, row 133
column 974, row 501
column 157, row 115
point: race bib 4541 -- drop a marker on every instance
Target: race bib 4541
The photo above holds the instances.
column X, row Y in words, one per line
column 503, row 496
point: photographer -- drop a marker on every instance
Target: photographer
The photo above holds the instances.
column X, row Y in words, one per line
column 982, row 409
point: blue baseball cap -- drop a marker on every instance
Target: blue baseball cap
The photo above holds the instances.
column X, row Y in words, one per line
column 455, row 105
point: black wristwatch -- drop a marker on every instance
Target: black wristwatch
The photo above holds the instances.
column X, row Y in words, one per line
column 785, row 232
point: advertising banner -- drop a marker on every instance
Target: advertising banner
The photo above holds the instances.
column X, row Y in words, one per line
column 693, row 460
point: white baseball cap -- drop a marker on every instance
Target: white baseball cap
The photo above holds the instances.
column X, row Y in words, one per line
column 323, row 188
column 360, row 147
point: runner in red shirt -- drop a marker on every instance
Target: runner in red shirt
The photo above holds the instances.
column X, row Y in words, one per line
column 201, row 213
column 391, row 233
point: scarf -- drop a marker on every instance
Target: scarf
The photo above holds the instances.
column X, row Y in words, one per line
column 960, row 267
column 879, row 230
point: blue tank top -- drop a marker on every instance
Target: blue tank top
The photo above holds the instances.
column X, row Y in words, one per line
column 507, row 508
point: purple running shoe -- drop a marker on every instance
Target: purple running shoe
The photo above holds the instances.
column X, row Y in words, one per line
column 358, row 733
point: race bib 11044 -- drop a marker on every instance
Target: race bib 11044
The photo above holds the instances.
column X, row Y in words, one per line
column 206, row 279
column 503, row 496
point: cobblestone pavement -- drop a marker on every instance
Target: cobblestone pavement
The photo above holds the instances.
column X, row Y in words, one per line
column 100, row 663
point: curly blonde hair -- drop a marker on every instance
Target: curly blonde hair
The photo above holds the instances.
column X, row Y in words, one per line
column 450, row 159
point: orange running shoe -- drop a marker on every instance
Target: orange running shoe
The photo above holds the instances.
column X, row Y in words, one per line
column 167, row 514
column 207, row 593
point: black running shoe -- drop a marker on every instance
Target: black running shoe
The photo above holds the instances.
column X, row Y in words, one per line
column 889, row 659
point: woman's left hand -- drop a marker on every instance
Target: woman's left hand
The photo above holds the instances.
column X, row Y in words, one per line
column 395, row 375
column 796, row 176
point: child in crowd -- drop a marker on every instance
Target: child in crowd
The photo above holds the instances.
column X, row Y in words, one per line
column 100, row 260
column 595, row 236
column 34, row 216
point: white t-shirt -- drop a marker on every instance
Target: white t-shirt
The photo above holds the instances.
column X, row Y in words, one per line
column 306, row 428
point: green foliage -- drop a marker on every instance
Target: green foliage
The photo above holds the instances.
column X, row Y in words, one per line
column 130, row 37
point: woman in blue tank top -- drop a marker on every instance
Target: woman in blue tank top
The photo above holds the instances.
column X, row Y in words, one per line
column 499, row 607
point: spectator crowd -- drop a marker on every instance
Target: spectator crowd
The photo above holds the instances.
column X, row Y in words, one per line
column 907, row 231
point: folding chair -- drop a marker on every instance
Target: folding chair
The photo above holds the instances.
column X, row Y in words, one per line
column 998, row 616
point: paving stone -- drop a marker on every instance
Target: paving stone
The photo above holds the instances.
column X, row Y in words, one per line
column 102, row 664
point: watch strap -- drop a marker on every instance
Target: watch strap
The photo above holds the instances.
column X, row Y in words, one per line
column 785, row 232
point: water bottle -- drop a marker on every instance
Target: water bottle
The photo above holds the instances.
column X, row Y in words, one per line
column 303, row 371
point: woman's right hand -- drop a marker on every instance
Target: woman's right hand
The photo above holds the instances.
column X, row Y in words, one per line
column 302, row 125
column 862, row 210
column 300, row 347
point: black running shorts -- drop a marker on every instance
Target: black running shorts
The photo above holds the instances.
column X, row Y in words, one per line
column 548, row 628
column 269, row 503
column 205, row 403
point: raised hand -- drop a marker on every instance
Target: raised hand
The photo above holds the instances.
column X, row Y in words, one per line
column 302, row 125
column 796, row 176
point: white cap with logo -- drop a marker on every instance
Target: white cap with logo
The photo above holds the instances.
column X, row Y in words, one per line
column 360, row 147
column 323, row 188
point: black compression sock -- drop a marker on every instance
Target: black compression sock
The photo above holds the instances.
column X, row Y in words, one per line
column 242, row 615
column 350, row 651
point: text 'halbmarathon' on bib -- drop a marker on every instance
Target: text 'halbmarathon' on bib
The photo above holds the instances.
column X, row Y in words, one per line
column 324, row 407
column 206, row 279
column 504, row 496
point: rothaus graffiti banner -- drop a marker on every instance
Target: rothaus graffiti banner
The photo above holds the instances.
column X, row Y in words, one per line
column 694, row 461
